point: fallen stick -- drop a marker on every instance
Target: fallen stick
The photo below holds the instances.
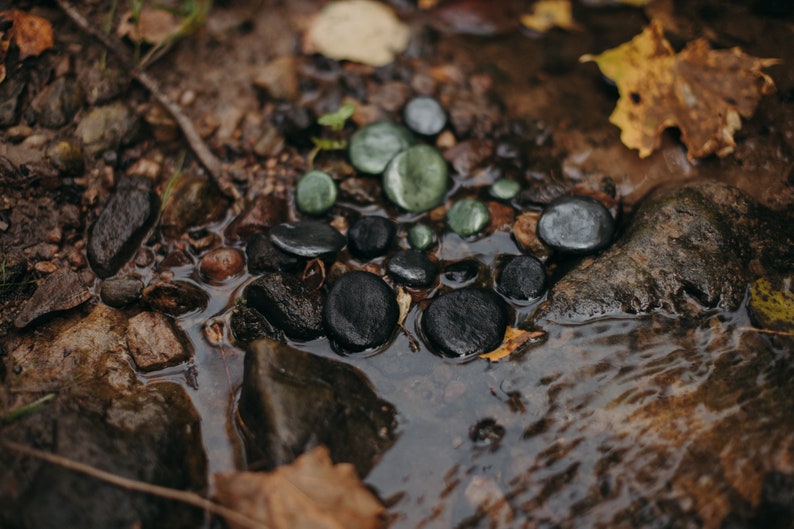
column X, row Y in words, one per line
column 210, row 162
column 189, row 498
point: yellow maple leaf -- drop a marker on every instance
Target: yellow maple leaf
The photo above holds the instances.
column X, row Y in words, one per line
column 701, row 91
column 513, row 340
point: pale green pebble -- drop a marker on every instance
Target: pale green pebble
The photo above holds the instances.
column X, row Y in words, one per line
column 416, row 179
column 315, row 192
column 504, row 189
column 420, row 237
column 468, row 217
column 372, row 147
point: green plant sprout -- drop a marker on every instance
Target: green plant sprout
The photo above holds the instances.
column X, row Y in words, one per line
column 336, row 122
column 27, row 409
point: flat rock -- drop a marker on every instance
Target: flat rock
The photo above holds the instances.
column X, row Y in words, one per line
column 287, row 304
column 154, row 342
column 292, row 401
column 370, row 237
column 412, row 268
column 107, row 127
column 307, row 239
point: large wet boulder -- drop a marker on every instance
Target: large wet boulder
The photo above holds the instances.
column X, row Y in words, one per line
column 687, row 249
column 292, row 401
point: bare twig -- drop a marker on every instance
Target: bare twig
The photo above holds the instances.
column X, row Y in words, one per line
column 189, row 498
column 766, row 331
column 197, row 145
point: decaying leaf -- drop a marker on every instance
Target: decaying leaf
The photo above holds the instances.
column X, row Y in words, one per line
column 404, row 302
column 31, row 34
column 513, row 340
column 547, row 14
column 311, row 492
column 153, row 26
column 772, row 306
column 701, row 91
column 363, row 31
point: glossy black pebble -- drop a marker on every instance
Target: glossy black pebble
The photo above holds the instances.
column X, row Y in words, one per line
column 370, row 237
column 424, row 115
column 307, row 239
column 360, row 311
column 524, row 277
column 576, row 225
column 465, row 322
column 462, row 272
column 412, row 268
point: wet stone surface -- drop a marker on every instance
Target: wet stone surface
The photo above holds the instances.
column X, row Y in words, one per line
column 222, row 263
column 287, row 304
column 372, row 147
column 576, row 225
column 468, row 217
column 523, row 277
column 360, row 312
column 370, row 237
column 421, row 237
column 425, row 115
column 412, row 268
column 307, row 239
column 175, row 298
column 263, row 256
column 466, row 322
column 416, row 179
column 154, row 342
column 119, row 292
column 462, row 272
column 315, row 192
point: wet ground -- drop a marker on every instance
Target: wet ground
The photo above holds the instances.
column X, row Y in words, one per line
column 654, row 421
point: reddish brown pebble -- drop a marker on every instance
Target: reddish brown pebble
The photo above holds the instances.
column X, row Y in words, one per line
column 221, row 263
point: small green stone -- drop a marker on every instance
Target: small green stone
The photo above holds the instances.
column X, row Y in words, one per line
column 315, row 192
column 416, row 179
column 372, row 147
column 420, row 237
column 504, row 189
column 468, row 217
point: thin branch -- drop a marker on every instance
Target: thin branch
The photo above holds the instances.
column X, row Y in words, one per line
column 189, row 498
column 766, row 331
column 210, row 162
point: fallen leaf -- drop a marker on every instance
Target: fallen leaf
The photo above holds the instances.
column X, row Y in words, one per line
column 310, row 493
column 772, row 305
column 701, row 91
column 404, row 302
column 153, row 26
column 547, row 14
column 513, row 340
column 363, row 31
column 32, row 34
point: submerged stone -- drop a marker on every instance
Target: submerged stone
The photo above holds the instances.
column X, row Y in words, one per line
column 420, row 237
column 416, row 179
column 424, row 115
column 370, row 237
column 466, row 322
column 307, row 239
column 412, row 268
column 287, row 304
column 315, row 192
column 523, row 277
column 361, row 311
column 372, row 147
column 468, row 217
column 577, row 225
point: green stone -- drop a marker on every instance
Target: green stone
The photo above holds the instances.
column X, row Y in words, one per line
column 504, row 189
column 416, row 179
column 420, row 237
column 468, row 217
column 315, row 192
column 372, row 147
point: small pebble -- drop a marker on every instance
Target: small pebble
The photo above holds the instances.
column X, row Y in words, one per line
column 412, row 268
column 462, row 272
column 523, row 277
column 315, row 192
column 576, row 225
column 504, row 189
column 372, row 147
column 307, row 239
column 221, row 263
column 420, row 237
column 118, row 292
column 468, row 217
column 370, row 237
column 416, row 179
column 424, row 115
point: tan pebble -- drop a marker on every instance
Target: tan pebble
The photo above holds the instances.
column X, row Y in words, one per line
column 446, row 140
column 45, row 267
column 221, row 263
column 54, row 236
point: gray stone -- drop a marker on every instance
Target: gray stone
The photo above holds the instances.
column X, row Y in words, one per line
column 576, row 225
column 416, row 179
column 59, row 102
column 372, row 147
column 120, row 291
column 107, row 127
column 154, row 342
column 307, row 239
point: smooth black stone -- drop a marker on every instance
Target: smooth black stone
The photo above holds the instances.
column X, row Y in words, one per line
column 307, row 239
column 465, row 322
column 360, row 311
column 248, row 324
column 122, row 225
column 119, row 292
column 462, row 271
column 262, row 256
column 576, row 225
column 424, row 115
column 287, row 304
column 370, row 237
column 412, row 268
column 524, row 277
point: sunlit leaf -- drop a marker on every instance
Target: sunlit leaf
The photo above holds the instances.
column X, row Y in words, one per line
column 547, row 14
column 336, row 120
column 32, row 34
column 772, row 306
column 513, row 340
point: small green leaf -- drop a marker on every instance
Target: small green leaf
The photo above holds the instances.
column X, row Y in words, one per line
column 772, row 306
column 336, row 120
column 27, row 409
column 328, row 144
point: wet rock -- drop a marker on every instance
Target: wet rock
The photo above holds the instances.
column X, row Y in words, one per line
column 360, row 312
column 66, row 156
column 468, row 217
column 10, row 94
column 307, row 239
column 122, row 225
column 194, row 203
column 260, row 215
column 523, row 277
column 412, row 268
column 576, row 225
column 59, row 291
column 416, row 179
column 287, row 304
column 315, row 192
column 248, row 324
column 107, row 127
column 421, row 237
column 466, row 322
column 292, row 400
column 154, row 342
column 462, row 272
column 59, row 102
column 221, row 263
column 119, row 292
column 370, row 237
column 175, row 298
column 687, row 249
column 504, row 189
column 424, row 115
column 372, row 147
column 525, row 233
column 264, row 257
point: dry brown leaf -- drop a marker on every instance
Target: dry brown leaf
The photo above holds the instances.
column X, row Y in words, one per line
column 310, row 493
column 404, row 302
column 32, row 34
column 153, row 26
column 701, row 91
column 547, row 14
column 513, row 340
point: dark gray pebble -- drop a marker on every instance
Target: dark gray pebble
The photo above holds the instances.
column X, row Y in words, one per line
column 361, row 311
column 287, row 304
column 465, row 322
column 307, row 239
column 370, row 237
column 523, row 277
column 412, row 268
column 424, row 115
column 577, row 225
column 262, row 256
column 119, row 292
